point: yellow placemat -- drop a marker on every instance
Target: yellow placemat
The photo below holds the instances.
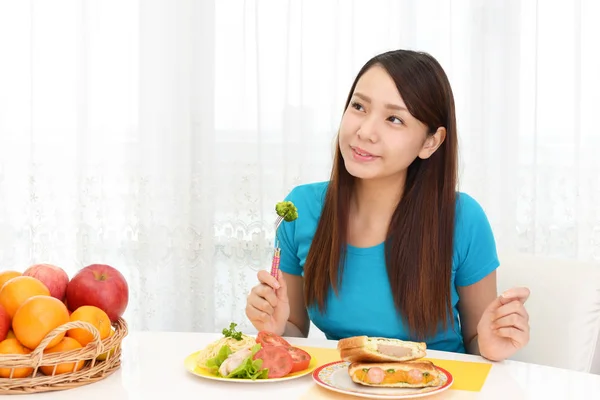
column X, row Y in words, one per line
column 468, row 375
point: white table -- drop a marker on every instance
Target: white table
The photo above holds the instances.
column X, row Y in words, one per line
column 152, row 368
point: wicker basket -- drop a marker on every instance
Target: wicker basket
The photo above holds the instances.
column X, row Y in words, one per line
column 92, row 371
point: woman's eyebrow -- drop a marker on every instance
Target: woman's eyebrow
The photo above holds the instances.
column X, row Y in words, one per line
column 388, row 106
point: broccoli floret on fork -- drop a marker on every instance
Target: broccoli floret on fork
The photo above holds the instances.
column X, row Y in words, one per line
column 286, row 211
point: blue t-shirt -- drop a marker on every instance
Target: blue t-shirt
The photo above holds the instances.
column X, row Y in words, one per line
column 365, row 274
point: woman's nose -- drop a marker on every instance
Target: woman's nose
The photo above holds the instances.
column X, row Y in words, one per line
column 368, row 129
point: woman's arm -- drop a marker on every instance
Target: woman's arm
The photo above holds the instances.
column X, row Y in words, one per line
column 298, row 324
column 473, row 300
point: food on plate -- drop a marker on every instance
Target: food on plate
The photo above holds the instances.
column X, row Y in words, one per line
column 239, row 364
column 287, row 210
column 408, row 374
column 232, row 339
column 267, row 338
column 236, row 355
column 276, row 360
column 387, row 362
column 377, row 349
column 300, row 359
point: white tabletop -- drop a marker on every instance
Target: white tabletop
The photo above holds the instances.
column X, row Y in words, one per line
column 152, row 367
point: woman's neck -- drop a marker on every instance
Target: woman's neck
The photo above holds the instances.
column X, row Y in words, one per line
column 376, row 199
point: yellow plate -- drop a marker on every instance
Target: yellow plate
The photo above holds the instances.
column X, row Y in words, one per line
column 190, row 365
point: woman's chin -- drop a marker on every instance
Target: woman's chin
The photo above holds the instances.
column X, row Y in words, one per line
column 361, row 171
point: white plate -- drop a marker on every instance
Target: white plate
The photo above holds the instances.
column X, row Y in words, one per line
column 334, row 376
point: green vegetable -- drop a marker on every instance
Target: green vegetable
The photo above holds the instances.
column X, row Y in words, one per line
column 287, row 210
column 390, row 371
column 215, row 363
column 248, row 369
column 231, row 332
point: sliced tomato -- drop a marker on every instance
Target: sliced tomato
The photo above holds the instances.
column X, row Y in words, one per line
column 300, row 359
column 276, row 359
column 266, row 338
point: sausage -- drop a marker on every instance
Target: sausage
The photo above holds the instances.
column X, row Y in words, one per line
column 375, row 375
column 394, row 350
column 414, row 376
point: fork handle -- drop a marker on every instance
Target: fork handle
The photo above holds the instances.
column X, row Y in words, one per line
column 275, row 262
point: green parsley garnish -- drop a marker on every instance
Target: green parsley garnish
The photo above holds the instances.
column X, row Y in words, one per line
column 231, row 332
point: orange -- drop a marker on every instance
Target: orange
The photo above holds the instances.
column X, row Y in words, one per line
column 36, row 318
column 107, row 354
column 5, row 276
column 12, row 346
column 65, row 344
column 10, row 335
column 17, row 290
column 94, row 316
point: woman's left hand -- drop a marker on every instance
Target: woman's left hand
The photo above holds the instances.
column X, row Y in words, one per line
column 504, row 326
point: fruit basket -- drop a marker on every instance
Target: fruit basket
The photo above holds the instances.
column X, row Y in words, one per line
column 41, row 367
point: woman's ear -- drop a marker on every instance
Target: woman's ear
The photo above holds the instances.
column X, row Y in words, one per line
column 432, row 143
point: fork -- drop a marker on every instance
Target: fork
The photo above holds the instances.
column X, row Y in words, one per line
column 277, row 252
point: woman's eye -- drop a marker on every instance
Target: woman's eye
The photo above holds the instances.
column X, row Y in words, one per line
column 357, row 106
column 395, row 120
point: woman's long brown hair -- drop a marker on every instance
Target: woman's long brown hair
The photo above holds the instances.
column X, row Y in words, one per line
column 419, row 242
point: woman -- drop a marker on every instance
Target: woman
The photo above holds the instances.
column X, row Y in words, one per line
column 387, row 247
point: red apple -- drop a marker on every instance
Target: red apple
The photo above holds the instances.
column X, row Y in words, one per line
column 99, row 285
column 4, row 323
column 55, row 278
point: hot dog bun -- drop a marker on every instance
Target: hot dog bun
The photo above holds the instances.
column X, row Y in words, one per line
column 409, row 374
column 376, row 349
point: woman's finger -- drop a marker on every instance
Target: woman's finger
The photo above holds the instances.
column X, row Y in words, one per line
column 255, row 314
column 513, row 334
column 519, row 293
column 260, row 304
column 266, row 278
column 266, row 292
column 514, row 307
column 511, row 320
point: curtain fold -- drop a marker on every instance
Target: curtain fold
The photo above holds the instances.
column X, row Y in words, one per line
column 157, row 136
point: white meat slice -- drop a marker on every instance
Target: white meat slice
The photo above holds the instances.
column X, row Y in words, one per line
column 233, row 361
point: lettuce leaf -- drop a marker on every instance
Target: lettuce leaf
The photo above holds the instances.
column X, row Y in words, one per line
column 215, row 363
column 248, row 369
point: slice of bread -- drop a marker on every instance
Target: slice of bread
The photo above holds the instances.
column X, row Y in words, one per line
column 377, row 349
column 410, row 374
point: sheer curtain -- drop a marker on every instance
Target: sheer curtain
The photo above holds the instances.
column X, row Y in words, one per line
column 156, row 136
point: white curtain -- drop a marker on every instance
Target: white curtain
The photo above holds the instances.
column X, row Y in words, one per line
column 157, row 135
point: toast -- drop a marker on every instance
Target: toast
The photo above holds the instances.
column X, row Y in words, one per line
column 376, row 349
column 409, row 374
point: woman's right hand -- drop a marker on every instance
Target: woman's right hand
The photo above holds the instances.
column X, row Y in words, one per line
column 268, row 306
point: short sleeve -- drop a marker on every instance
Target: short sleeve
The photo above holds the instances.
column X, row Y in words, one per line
column 477, row 254
column 289, row 261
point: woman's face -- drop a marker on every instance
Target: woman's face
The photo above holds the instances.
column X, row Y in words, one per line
column 378, row 137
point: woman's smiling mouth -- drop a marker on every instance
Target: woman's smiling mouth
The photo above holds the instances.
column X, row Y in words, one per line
column 362, row 155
